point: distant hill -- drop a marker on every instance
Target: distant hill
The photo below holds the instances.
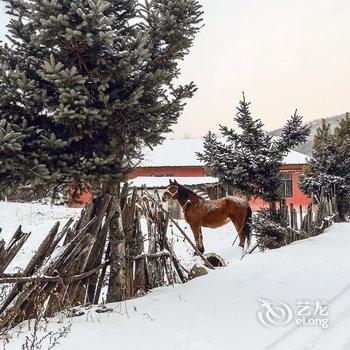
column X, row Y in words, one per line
column 306, row 148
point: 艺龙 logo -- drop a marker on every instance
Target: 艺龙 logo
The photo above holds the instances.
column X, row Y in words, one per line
column 274, row 315
column 307, row 313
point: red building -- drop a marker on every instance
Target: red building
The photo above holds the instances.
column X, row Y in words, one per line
column 177, row 158
column 293, row 194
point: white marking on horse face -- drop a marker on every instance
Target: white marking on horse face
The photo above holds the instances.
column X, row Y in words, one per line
column 170, row 193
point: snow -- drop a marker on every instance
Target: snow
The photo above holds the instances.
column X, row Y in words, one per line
column 294, row 157
column 182, row 152
column 238, row 200
column 163, row 181
column 35, row 218
column 219, row 310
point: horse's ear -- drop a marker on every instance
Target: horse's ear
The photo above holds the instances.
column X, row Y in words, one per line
column 170, row 181
column 175, row 182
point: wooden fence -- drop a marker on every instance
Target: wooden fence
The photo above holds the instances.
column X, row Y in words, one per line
column 295, row 224
column 108, row 249
column 319, row 215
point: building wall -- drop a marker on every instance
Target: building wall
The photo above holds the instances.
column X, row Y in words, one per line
column 298, row 198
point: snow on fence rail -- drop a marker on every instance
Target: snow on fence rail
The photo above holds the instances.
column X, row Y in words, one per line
column 106, row 240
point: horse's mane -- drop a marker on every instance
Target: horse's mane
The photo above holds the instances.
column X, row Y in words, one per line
column 185, row 192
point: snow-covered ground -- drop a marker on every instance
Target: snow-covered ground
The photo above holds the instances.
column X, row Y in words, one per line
column 223, row 309
column 35, row 218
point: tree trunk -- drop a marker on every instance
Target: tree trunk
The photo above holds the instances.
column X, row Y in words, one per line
column 272, row 207
column 117, row 277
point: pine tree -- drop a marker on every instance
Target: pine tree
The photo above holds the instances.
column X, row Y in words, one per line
column 329, row 166
column 250, row 161
column 342, row 134
column 322, row 136
column 85, row 84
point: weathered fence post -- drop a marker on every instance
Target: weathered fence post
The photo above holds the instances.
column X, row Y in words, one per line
column 9, row 251
column 117, row 278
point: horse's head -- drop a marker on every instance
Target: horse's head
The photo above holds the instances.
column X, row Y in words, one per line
column 171, row 192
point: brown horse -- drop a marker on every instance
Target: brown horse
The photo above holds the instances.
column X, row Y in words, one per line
column 211, row 213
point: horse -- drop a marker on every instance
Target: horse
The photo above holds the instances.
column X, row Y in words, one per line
column 211, row 213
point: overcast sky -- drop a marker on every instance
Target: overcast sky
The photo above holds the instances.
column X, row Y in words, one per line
column 284, row 54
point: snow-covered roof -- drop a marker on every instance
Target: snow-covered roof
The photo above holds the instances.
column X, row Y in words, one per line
column 294, row 157
column 182, row 152
column 163, row 181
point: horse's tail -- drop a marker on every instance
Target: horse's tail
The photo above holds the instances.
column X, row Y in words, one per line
column 247, row 226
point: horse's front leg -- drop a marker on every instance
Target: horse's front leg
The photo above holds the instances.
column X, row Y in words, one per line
column 198, row 237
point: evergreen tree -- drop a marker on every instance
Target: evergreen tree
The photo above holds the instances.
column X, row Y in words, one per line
column 342, row 134
column 329, row 166
column 322, row 136
column 250, row 161
column 85, row 83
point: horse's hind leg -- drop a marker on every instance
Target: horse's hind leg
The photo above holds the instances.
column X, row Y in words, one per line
column 238, row 223
column 201, row 240
column 197, row 234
